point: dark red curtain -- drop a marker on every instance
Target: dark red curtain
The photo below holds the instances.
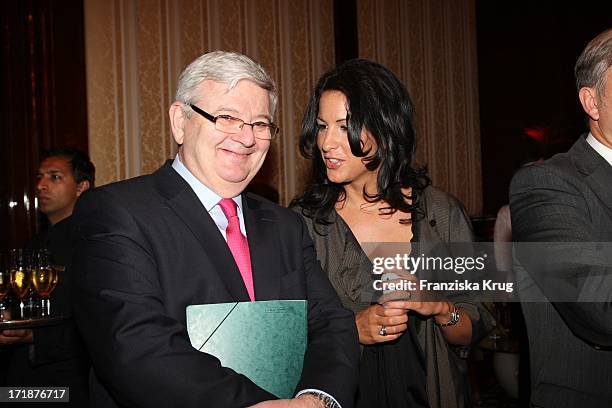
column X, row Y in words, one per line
column 43, row 101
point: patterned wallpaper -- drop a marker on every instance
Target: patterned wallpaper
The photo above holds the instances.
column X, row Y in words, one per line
column 136, row 49
column 431, row 46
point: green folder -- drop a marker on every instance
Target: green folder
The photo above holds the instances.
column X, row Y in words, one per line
column 264, row 340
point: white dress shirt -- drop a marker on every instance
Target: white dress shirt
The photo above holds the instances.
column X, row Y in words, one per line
column 209, row 199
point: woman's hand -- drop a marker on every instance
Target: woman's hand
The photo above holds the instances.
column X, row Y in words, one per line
column 439, row 310
column 370, row 320
column 458, row 334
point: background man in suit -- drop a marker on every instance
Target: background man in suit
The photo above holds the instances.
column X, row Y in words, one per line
column 54, row 355
column 566, row 202
column 150, row 246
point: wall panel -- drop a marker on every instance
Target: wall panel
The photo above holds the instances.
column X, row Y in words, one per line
column 430, row 45
column 136, row 49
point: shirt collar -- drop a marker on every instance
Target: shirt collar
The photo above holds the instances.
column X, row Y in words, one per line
column 600, row 148
column 207, row 197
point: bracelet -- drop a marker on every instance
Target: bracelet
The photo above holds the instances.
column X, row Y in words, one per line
column 455, row 316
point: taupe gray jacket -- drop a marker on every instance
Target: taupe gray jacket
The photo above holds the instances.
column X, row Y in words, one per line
column 349, row 270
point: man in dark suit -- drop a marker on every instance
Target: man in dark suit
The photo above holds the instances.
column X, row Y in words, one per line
column 563, row 209
column 150, row 246
column 54, row 355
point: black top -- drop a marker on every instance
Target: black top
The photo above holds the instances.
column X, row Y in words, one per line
column 393, row 374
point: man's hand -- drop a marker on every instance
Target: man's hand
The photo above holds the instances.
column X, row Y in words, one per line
column 370, row 320
column 16, row 336
column 303, row 401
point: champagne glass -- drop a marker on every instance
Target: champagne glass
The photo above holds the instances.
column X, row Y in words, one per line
column 20, row 277
column 5, row 285
column 44, row 278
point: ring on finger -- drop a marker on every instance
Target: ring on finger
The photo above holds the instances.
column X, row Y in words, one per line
column 383, row 330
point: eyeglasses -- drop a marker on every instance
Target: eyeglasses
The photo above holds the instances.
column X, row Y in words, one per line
column 230, row 124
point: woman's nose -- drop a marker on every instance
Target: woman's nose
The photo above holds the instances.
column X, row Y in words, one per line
column 329, row 141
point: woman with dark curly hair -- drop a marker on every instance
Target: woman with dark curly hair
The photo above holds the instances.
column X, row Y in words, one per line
column 359, row 131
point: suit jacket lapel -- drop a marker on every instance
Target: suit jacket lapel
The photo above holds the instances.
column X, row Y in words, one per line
column 184, row 202
column 262, row 235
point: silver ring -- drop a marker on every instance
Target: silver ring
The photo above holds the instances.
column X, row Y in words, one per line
column 383, row 330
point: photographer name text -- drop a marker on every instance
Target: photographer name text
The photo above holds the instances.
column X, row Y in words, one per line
column 455, row 286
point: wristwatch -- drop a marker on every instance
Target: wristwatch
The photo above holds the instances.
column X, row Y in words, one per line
column 328, row 402
column 454, row 319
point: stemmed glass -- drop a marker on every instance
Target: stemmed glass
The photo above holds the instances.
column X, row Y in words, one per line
column 19, row 277
column 44, row 278
column 5, row 285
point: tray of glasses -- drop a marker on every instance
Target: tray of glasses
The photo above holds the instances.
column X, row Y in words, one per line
column 32, row 323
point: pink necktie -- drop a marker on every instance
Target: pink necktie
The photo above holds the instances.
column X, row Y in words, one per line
column 238, row 244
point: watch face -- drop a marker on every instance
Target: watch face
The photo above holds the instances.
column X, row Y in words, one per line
column 328, row 402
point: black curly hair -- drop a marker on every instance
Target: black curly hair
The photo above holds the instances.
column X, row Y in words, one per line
column 378, row 102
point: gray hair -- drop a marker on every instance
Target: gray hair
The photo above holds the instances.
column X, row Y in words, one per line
column 591, row 67
column 225, row 67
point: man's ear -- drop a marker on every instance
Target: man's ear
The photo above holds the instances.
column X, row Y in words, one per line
column 82, row 186
column 177, row 121
column 589, row 101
